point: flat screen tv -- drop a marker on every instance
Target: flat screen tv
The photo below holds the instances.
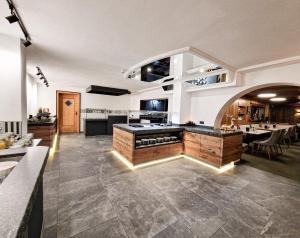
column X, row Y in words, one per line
column 156, row 70
column 160, row 105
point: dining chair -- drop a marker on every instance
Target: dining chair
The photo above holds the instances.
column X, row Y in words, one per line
column 288, row 136
column 280, row 140
column 269, row 144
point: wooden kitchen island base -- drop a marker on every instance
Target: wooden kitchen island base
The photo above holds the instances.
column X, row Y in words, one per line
column 210, row 146
column 124, row 143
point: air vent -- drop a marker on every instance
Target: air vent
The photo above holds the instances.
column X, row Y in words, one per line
column 106, row 90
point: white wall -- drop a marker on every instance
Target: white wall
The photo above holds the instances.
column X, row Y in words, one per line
column 209, row 106
column 32, row 95
column 47, row 98
column 10, row 74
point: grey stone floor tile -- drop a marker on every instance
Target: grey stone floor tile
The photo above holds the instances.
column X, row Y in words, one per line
column 176, row 230
column 282, row 227
column 207, row 228
column 50, row 232
column 50, row 217
column 220, row 234
column 88, row 192
column 76, row 172
column 249, row 213
column 83, row 203
column 140, row 213
column 108, row 229
column 235, row 229
column 193, row 207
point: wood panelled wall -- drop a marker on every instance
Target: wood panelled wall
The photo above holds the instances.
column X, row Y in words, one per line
column 242, row 106
column 285, row 114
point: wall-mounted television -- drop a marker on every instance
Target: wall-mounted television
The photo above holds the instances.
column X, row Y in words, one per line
column 160, row 105
column 156, row 70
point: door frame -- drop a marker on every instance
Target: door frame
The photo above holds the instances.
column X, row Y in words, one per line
column 58, row 92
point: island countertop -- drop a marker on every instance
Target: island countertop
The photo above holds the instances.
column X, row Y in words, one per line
column 18, row 191
column 154, row 128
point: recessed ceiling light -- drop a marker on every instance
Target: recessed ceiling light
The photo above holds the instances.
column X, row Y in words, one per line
column 136, row 76
column 149, row 69
column 201, row 70
column 266, row 95
column 278, row 99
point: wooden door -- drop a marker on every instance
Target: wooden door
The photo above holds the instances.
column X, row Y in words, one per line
column 68, row 113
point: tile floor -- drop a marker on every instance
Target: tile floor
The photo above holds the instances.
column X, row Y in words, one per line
column 90, row 193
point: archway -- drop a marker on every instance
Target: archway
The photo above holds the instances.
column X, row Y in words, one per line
column 240, row 94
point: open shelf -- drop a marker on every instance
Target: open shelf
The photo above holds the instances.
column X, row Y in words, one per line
column 158, row 144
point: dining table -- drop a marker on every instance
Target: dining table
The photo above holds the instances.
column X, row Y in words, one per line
column 278, row 127
column 256, row 131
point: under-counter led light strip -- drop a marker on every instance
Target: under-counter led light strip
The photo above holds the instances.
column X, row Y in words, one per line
column 53, row 148
column 219, row 170
column 133, row 167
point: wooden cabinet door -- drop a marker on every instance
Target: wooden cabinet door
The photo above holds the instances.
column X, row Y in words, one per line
column 191, row 148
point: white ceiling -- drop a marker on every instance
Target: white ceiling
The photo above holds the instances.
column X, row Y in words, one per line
column 87, row 42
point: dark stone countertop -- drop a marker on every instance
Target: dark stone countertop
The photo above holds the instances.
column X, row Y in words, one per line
column 211, row 131
column 42, row 123
column 18, row 151
column 95, row 119
column 152, row 129
column 17, row 189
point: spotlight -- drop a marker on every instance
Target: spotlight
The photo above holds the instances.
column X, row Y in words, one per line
column 12, row 18
column 45, row 81
column 26, row 43
column 39, row 73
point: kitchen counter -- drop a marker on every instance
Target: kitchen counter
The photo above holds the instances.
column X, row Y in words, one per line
column 153, row 128
column 18, row 151
column 211, row 131
column 21, row 196
column 102, row 126
column 215, row 147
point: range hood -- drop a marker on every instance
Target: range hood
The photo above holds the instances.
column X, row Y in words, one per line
column 106, row 90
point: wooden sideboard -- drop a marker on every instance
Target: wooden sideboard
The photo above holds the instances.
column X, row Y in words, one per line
column 45, row 132
column 217, row 151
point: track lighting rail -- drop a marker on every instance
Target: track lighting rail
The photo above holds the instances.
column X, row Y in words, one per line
column 15, row 17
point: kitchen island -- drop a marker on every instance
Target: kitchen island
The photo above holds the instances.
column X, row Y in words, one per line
column 140, row 143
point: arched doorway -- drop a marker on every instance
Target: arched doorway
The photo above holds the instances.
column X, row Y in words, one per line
column 261, row 112
column 228, row 103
